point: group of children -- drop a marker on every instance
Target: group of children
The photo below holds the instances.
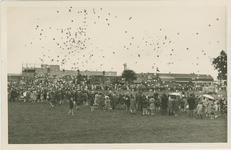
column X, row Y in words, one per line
column 210, row 108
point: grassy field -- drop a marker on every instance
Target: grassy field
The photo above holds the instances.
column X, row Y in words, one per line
column 33, row 123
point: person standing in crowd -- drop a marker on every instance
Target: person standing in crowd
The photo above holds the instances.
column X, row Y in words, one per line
column 76, row 99
column 191, row 103
column 117, row 101
column 96, row 101
column 216, row 109
column 157, row 104
column 101, row 101
column 52, row 98
column 199, row 109
column 136, row 97
column 140, row 99
column 45, row 95
column 27, row 95
column 41, row 97
column 71, row 102
column 48, row 94
column 55, row 96
column 59, row 99
column 112, row 99
column 91, row 100
column 121, row 101
column 170, row 104
column 62, row 96
column 13, row 95
column 33, row 95
column 183, row 103
column 133, row 105
column 221, row 105
column 152, row 105
column 127, row 102
column 212, row 111
column 209, row 107
column 205, row 106
column 225, row 108
column 164, row 103
column 85, row 98
column 38, row 96
column 145, row 106
column 107, row 103
column 176, row 105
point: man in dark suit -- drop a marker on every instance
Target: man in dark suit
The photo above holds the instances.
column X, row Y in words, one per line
column 139, row 100
column 192, row 105
column 164, row 103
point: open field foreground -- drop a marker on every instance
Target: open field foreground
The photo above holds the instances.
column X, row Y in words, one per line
column 33, row 123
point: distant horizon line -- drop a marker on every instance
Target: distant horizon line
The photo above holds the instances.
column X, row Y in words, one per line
column 135, row 72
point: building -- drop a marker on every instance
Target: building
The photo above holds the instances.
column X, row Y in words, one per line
column 41, row 72
column 54, row 68
column 146, row 77
column 185, row 78
column 98, row 77
column 173, row 78
column 28, row 72
column 14, row 77
column 54, row 71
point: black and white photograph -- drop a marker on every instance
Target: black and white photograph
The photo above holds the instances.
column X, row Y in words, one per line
column 116, row 72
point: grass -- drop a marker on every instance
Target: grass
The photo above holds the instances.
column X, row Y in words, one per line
column 33, row 123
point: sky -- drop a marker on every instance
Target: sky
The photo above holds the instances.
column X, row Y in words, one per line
column 174, row 39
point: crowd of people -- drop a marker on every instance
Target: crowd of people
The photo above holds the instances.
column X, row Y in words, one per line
column 130, row 99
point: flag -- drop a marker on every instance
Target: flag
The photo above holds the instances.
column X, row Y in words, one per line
column 157, row 69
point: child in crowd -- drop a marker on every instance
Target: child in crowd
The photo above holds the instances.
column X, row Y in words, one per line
column 170, row 104
column 127, row 102
column 152, row 105
column 216, row 108
column 212, row 111
column 42, row 98
column 145, row 106
column 121, row 102
column 157, row 104
column 71, row 106
column 199, row 109
column 209, row 108
column 96, row 100
column 183, row 104
column 107, row 103
column 205, row 105
column 133, row 105
column 92, row 100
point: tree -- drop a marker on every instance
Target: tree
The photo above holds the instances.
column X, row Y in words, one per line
column 115, row 80
column 220, row 64
column 129, row 75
